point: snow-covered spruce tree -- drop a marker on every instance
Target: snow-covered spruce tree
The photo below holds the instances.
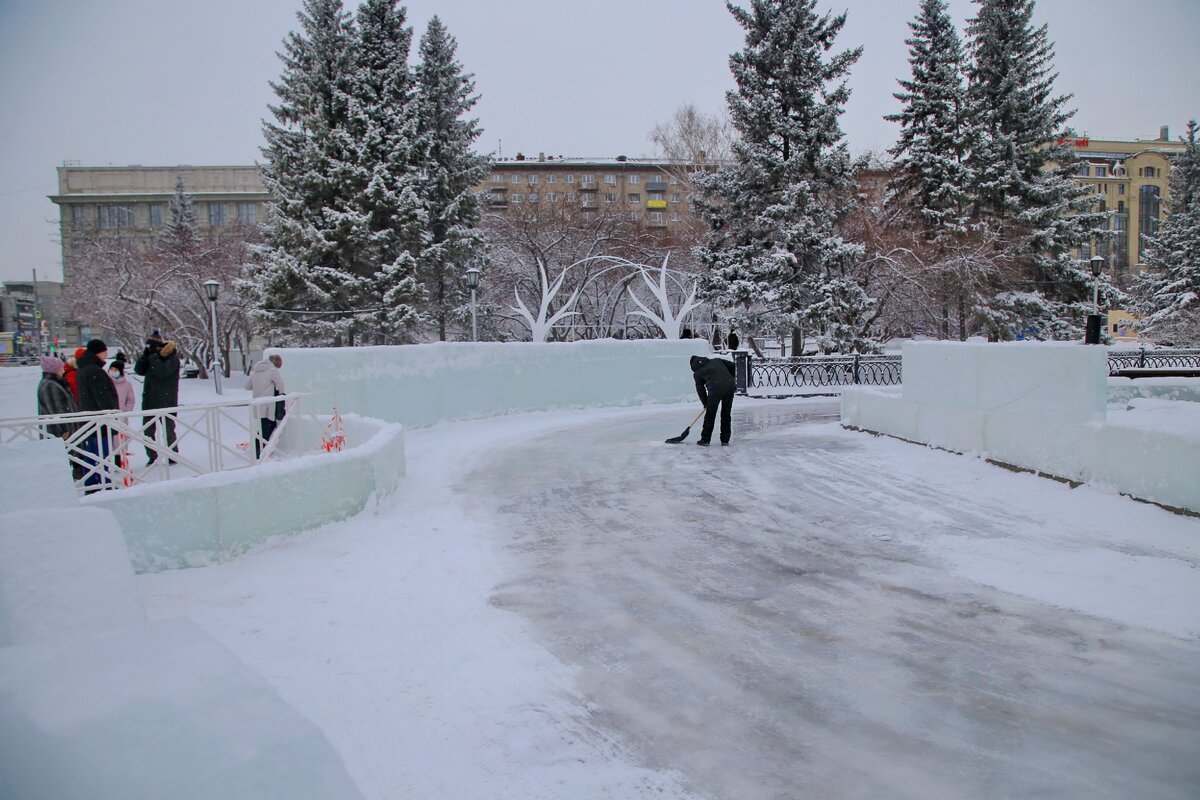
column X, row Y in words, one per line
column 382, row 129
column 445, row 136
column 179, row 234
column 1023, row 185
column 774, row 212
column 306, row 284
column 1168, row 291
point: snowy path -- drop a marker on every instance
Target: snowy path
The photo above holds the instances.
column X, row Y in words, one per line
column 562, row 606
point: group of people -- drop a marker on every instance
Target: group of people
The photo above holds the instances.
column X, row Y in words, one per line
column 91, row 382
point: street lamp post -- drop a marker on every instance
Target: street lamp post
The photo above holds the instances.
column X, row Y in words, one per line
column 473, row 284
column 212, row 289
column 1092, row 332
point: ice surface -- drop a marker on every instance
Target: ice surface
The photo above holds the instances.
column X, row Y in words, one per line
column 420, row 385
column 157, row 710
column 63, row 570
column 1063, row 382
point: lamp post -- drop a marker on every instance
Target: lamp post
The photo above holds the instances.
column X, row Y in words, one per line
column 1092, row 332
column 473, row 284
column 212, row 289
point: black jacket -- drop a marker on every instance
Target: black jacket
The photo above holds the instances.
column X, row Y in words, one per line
column 160, row 368
column 714, row 377
column 96, row 389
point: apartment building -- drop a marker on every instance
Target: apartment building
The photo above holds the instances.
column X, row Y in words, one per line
column 132, row 202
column 651, row 191
column 1131, row 179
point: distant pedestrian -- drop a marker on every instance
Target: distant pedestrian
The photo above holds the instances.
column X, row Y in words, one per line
column 715, row 387
column 266, row 380
column 734, row 341
column 127, row 398
column 70, row 372
column 159, row 366
column 54, row 396
column 96, row 393
column 686, row 334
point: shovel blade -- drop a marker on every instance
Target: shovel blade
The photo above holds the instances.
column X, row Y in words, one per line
column 680, row 437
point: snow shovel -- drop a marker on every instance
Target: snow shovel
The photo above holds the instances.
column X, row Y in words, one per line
column 686, row 431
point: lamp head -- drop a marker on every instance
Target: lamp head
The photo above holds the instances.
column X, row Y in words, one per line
column 473, row 278
column 212, row 288
column 1097, row 266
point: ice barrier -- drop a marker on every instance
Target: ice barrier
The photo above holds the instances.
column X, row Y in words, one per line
column 1041, row 406
column 420, row 385
column 96, row 702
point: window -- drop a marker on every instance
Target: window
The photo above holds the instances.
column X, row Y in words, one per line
column 569, row 197
column 551, row 197
column 551, row 179
column 516, row 178
column 634, row 197
column 1083, row 170
column 247, row 213
column 1120, row 188
column 78, row 215
column 674, row 197
column 156, row 210
column 216, row 214
column 674, row 179
column 588, row 179
column 533, row 197
column 610, row 180
column 497, row 177
column 1085, row 251
column 634, row 179
column 568, row 178
column 1149, row 207
column 116, row 217
column 516, row 197
column 1149, row 172
column 635, row 216
column 610, row 197
column 1101, row 172
column 674, row 216
column 1120, row 206
column 656, row 218
column 1103, row 205
column 533, row 180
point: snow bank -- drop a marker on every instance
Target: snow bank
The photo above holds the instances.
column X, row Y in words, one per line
column 1043, row 407
column 36, row 474
column 207, row 519
column 18, row 391
column 153, row 710
column 421, row 385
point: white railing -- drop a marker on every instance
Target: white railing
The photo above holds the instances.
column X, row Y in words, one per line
column 119, row 449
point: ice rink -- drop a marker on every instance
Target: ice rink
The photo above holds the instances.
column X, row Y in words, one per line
column 560, row 605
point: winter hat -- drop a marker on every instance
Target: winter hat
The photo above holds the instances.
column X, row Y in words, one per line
column 51, row 364
column 79, row 351
column 97, row 346
column 154, row 336
column 118, row 363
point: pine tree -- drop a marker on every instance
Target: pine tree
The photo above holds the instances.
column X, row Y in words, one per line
column 445, row 95
column 179, row 234
column 306, row 285
column 382, row 128
column 1169, row 289
column 774, row 212
column 1023, row 172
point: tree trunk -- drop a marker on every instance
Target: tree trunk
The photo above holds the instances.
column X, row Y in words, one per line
column 797, row 341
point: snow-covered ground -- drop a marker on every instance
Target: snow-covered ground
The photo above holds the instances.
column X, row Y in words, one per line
column 559, row 605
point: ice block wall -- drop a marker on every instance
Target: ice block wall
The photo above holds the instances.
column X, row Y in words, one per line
column 420, row 385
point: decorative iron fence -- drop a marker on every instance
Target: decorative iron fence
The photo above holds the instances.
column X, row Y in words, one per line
column 1152, row 359
column 824, row 371
column 166, row 443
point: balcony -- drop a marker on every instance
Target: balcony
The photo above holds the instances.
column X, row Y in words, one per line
column 656, row 186
column 589, row 186
column 656, row 204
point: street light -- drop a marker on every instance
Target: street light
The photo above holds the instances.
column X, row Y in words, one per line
column 212, row 289
column 1092, row 332
column 473, row 284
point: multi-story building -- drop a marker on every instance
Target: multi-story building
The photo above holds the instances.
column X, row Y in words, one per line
column 30, row 321
column 1131, row 179
column 651, row 191
column 132, row 202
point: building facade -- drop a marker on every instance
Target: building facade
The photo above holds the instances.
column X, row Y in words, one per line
column 132, row 202
column 1131, row 181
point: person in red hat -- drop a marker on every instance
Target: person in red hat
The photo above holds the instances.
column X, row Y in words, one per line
column 70, row 375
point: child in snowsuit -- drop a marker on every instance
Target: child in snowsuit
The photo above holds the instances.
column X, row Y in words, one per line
column 715, row 387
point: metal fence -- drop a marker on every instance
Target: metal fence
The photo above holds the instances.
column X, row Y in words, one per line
column 1152, row 359
column 829, row 371
column 119, row 449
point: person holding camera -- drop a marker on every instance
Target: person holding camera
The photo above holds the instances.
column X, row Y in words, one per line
column 159, row 367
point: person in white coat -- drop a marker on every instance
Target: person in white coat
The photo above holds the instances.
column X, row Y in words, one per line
column 266, row 380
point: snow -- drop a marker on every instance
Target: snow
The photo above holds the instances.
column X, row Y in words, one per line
column 558, row 605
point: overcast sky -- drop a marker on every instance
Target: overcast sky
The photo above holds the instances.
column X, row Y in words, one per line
column 160, row 82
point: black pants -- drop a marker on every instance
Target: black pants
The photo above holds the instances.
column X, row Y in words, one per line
column 151, row 428
column 267, row 426
column 725, row 402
